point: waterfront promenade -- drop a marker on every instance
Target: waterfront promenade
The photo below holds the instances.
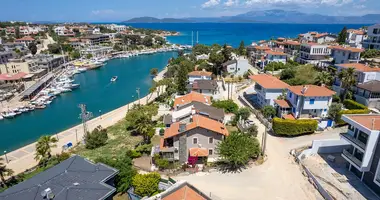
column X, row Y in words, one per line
column 23, row 158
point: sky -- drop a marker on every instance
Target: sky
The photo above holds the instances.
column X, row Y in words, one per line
column 120, row 10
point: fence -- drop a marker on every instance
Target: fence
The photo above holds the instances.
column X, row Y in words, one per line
column 318, row 186
column 254, row 108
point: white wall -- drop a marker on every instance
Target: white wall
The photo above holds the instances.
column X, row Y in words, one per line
column 272, row 94
column 368, row 76
column 193, row 78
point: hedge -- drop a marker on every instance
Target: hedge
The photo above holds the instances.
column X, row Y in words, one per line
column 290, row 127
column 353, row 105
column 340, row 122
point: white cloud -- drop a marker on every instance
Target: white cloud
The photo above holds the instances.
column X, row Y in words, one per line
column 103, row 12
column 210, row 3
column 229, row 3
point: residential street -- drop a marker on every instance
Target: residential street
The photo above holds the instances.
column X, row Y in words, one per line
column 278, row 178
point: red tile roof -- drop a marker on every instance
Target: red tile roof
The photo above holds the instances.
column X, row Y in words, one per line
column 185, row 193
column 200, row 73
column 283, row 103
column 288, row 116
column 264, row 48
column 26, row 38
column 197, row 121
column 8, row 77
column 291, row 42
column 359, row 67
column 275, row 53
column 351, row 49
column 193, row 96
column 357, row 32
column 198, row 152
column 372, row 122
column 320, row 35
column 269, row 81
column 311, row 91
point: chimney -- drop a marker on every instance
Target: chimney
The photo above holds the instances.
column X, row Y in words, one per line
column 193, row 111
column 303, row 91
column 182, row 127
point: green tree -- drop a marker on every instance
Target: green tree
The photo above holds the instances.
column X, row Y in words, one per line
column 252, row 131
column 226, row 52
column 217, row 59
column 241, row 49
column 269, row 111
column 89, row 56
column 348, row 79
column 4, row 171
column 146, row 184
column 132, row 39
column 17, row 32
column 43, row 148
column 123, row 163
column 54, row 48
column 147, row 41
column 159, row 40
column 237, row 149
column 288, row 73
column 229, row 106
column 334, row 111
column 342, row 36
column 181, row 79
column 243, row 113
column 324, row 78
column 75, row 54
column 154, row 71
column 200, row 49
column 97, row 138
column 371, row 53
column 33, row 48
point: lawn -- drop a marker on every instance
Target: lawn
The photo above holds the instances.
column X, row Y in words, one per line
column 232, row 128
column 120, row 140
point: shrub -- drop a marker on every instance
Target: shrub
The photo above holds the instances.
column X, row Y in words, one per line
column 336, row 98
column 97, row 138
column 229, row 106
column 268, row 111
column 353, row 105
column 146, row 184
column 133, row 154
column 340, row 122
column 162, row 163
column 145, row 148
column 294, row 127
column 162, row 132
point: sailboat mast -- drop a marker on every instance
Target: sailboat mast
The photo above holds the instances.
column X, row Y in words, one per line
column 197, row 37
column 192, row 38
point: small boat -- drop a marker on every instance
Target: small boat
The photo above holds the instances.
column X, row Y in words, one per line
column 1, row 117
column 40, row 106
column 8, row 114
column 113, row 79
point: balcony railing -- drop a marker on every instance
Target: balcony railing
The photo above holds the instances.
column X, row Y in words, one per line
column 352, row 158
column 354, row 140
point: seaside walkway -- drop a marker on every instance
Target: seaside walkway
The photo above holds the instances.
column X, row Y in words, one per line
column 23, row 158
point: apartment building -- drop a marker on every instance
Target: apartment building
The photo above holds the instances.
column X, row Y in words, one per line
column 15, row 66
column 373, row 39
column 5, row 56
column 95, row 39
column 199, row 75
column 345, row 54
column 274, row 56
column 324, row 38
column 268, row 88
column 291, row 47
column 26, row 40
column 256, row 54
column 63, row 31
column 118, row 28
column 313, row 53
column 368, row 93
column 355, row 38
column 363, row 153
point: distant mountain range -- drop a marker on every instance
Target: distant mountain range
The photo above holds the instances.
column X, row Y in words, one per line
column 268, row 16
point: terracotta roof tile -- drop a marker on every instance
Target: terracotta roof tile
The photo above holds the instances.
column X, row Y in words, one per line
column 193, row 96
column 372, row 122
column 8, row 77
column 198, row 152
column 26, row 38
column 311, row 91
column 185, row 193
column 289, row 116
column 264, row 48
column 351, row 49
column 200, row 73
column 359, row 67
column 282, row 103
column 269, row 81
column 277, row 53
column 198, row 121
column 291, row 42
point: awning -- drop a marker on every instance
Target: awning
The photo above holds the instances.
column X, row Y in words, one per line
column 198, row 152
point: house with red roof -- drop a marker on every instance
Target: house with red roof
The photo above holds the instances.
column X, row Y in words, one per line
column 355, row 37
column 25, row 40
column 274, row 56
column 193, row 142
column 199, row 75
column 191, row 97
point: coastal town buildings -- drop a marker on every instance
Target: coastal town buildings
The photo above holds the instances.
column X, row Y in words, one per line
column 291, row 47
column 345, row 54
column 196, row 140
column 96, row 51
column 313, row 53
column 268, row 88
column 199, row 75
column 274, row 56
column 15, row 66
column 25, row 40
column 368, row 93
column 373, row 39
column 118, row 28
column 95, row 39
column 5, row 56
column 206, row 87
column 63, row 31
column 355, row 38
column 324, row 38
column 184, row 113
column 191, row 97
column 74, row 178
column 256, row 55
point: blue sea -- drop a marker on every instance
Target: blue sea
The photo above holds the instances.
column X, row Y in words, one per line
column 233, row 33
column 97, row 92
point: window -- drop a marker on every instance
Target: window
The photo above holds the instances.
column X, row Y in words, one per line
column 312, row 101
column 210, row 140
column 290, row 95
column 210, row 152
column 195, row 140
column 293, row 110
column 325, row 110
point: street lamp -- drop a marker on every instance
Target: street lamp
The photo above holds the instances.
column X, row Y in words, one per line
column 6, row 158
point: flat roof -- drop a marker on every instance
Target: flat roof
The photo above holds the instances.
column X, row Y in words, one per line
column 34, row 87
column 74, row 178
column 372, row 86
column 371, row 122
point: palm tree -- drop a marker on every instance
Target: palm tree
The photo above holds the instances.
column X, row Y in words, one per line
column 43, row 147
column 4, row 171
column 348, row 79
column 324, row 78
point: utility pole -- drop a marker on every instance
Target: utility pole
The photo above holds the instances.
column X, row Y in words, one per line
column 264, row 142
column 138, row 94
column 85, row 116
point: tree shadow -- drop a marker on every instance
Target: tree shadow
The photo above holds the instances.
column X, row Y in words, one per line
column 225, row 167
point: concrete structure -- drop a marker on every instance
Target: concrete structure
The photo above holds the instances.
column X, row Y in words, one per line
column 313, row 53
column 309, row 101
column 256, row 54
column 205, row 87
column 95, row 39
column 355, row 38
column 5, row 56
column 74, row 178
column 96, row 51
column 230, row 66
column 184, row 113
column 291, row 47
column 368, row 94
column 25, row 40
column 9, row 46
column 364, row 73
column 237, row 67
column 199, row 75
column 194, row 141
column 63, row 31
column 274, row 56
column 118, row 28
column 324, row 38
column 363, row 155
column 49, row 62
column 373, row 40
column 344, row 54
column 15, row 66
column 268, row 89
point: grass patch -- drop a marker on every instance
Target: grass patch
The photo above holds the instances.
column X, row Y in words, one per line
column 119, row 141
column 231, row 128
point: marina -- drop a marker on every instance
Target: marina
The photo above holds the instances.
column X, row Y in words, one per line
column 55, row 108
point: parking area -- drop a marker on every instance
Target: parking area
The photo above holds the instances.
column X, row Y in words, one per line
column 331, row 172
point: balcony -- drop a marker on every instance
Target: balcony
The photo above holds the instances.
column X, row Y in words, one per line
column 353, row 140
column 351, row 158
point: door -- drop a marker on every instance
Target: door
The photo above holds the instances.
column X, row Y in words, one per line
column 329, row 123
